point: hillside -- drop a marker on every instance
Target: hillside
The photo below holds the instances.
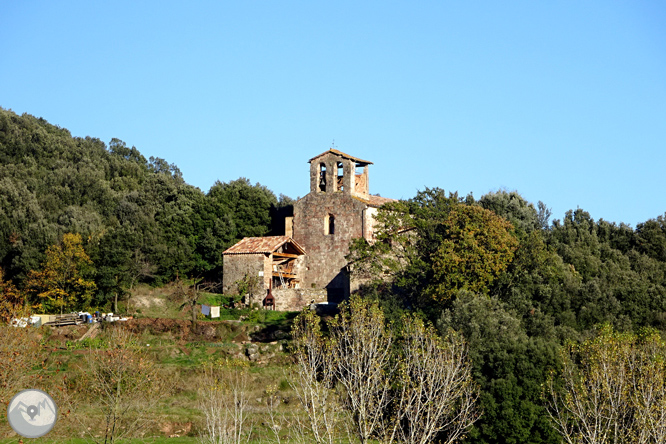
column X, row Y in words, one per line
column 139, row 221
column 518, row 287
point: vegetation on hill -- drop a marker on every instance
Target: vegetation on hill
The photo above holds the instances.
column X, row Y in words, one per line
column 138, row 221
column 516, row 290
column 82, row 224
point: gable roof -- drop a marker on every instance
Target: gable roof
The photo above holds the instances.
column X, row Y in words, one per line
column 341, row 154
column 266, row 244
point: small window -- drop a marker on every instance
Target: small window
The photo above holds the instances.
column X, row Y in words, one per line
column 329, row 224
column 322, row 177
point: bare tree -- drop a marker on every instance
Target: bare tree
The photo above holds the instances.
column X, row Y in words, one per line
column 313, row 380
column 122, row 383
column 191, row 294
column 437, row 393
column 224, row 401
column 140, row 267
column 360, row 347
column 415, row 391
column 275, row 422
column 613, row 390
column 19, row 353
column 648, row 388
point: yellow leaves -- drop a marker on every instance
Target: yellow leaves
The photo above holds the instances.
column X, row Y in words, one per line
column 613, row 383
column 11, row 300
column 61, row 282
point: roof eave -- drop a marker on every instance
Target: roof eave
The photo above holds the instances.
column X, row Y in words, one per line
column 341, row 154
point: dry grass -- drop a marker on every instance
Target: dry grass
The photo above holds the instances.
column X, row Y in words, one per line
column 180, row 350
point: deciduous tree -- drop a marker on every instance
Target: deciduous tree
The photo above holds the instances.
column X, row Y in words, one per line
column 121, row 383
column 613, row 390
column 62, row 283
column 477, row 246
column 436, row 395
column 313, row 379
column 12, row 300
column 224, row 401
column 414, row 390
column 361, row 352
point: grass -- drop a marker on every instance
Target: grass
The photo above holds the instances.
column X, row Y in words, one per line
column 181, row 360
column 48, row 439
column 153, row 440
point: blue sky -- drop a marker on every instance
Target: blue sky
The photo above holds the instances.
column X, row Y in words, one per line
column 564, row 102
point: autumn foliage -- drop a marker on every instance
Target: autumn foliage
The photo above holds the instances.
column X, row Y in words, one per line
column 613, row 389
column 62, row 283
column 12, row 300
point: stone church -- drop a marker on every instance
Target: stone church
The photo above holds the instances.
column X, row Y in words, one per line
column 308, row 262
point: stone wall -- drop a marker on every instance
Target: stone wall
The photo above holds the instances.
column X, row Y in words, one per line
column 362, row 188
column 295, row 299
column 330, row 161
column 325, row 261
column 237, row 266
column 369, row 223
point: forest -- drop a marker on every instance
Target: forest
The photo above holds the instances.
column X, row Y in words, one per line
column 83, row 223
column 133, row 219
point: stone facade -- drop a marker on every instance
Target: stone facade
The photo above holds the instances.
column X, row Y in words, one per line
column 312, row 254
column 337, row 209
column 238, row 266
column 271, row 262
column 325, row 261
column 294, row 299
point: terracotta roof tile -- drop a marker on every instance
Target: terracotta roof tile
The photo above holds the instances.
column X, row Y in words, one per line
column 375, row 201
column 266, row 244
column 341, row 154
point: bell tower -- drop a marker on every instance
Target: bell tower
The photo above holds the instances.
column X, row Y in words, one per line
column 336, row 172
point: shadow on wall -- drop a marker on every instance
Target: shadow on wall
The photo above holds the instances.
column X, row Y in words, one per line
column 338, row 289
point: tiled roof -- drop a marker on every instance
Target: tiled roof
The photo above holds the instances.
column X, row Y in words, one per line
column 266, row 244
column 341, row 154
column 375, row 201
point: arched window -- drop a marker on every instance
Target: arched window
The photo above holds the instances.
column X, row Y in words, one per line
column 329, row 224
column 322, row 177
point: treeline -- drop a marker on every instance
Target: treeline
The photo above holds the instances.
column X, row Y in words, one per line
column 74, row 212
column 516, row 287
column 137, row 219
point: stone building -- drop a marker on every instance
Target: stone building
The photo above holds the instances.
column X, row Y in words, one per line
column 338, row 208
column 308, row 263
column 262, row 263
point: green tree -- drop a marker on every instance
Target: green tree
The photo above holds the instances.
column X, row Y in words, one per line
column 651, row 238
column 510, row 368
column 433, row 246
column 514, row 208
column 62, row 283
column 229, row 212
column 407, row 236
column 477, row 246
